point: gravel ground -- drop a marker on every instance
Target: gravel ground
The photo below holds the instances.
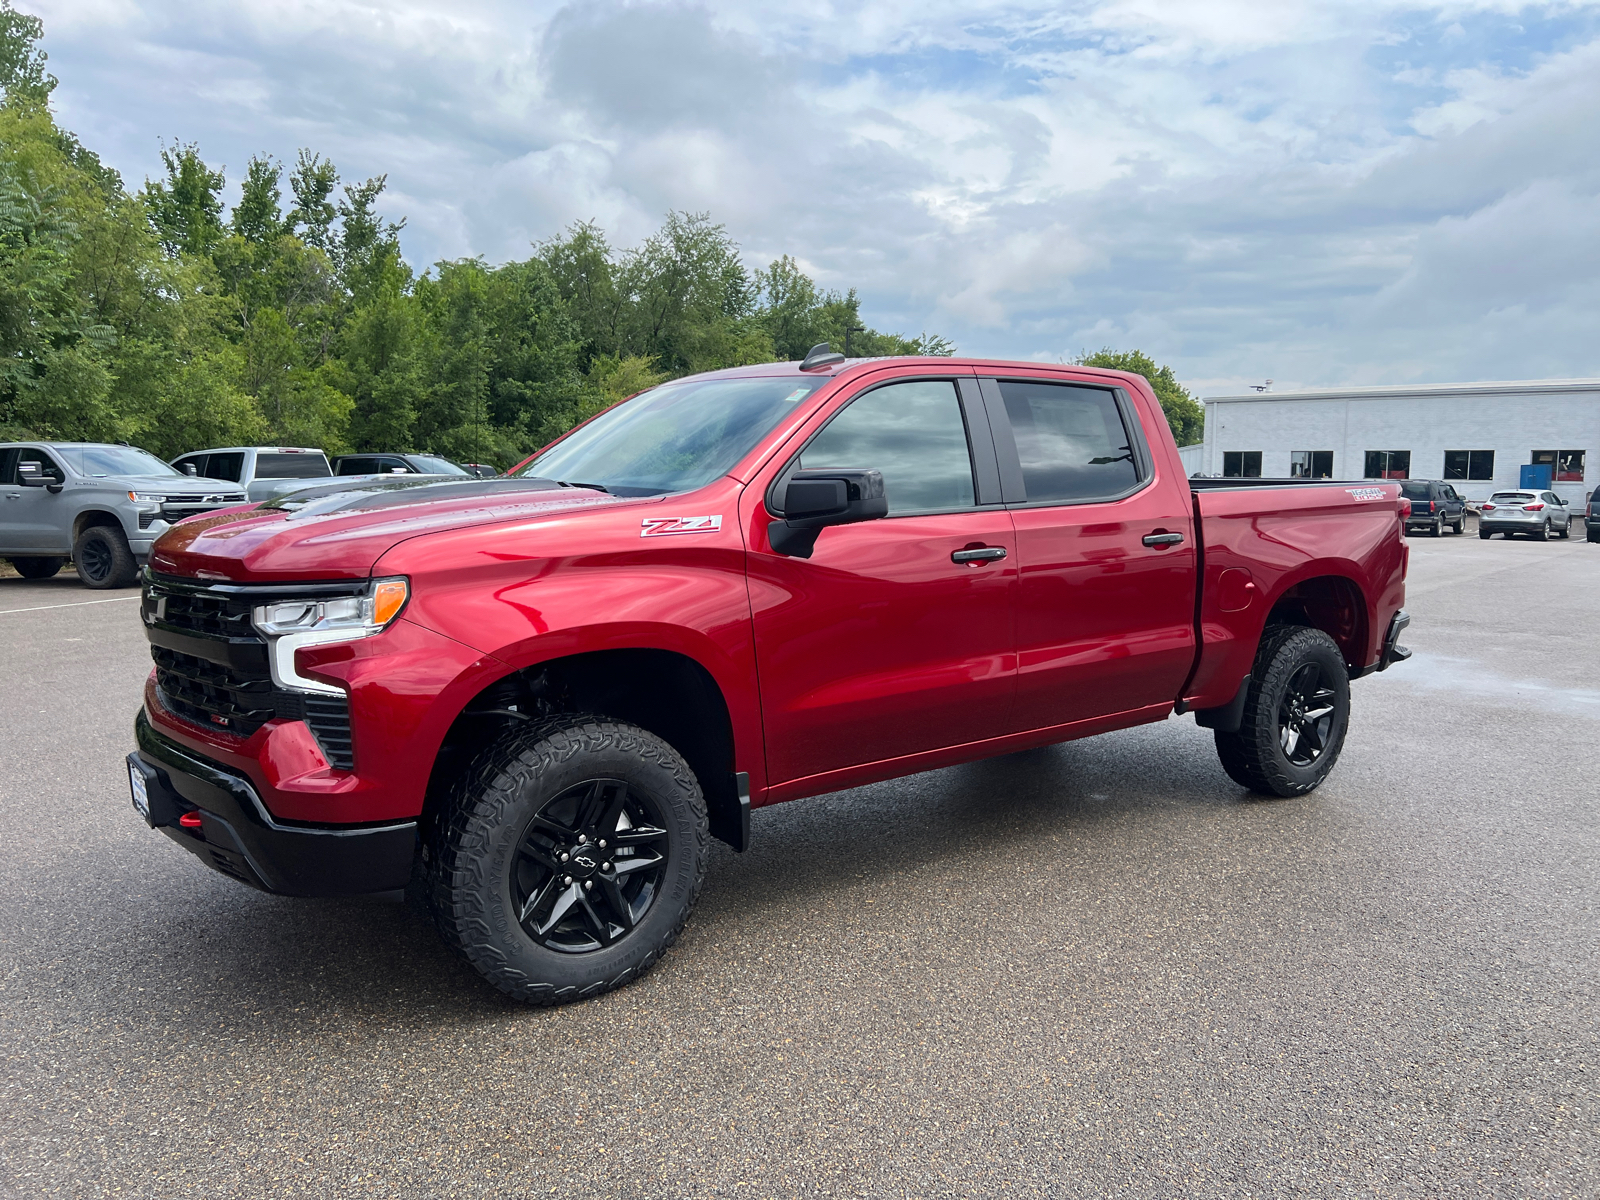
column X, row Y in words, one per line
column 1096, row 970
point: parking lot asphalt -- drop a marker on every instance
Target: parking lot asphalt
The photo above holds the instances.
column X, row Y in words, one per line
column 1096, row 970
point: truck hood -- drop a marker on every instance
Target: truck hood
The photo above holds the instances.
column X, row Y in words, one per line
column 167, row 484
column 339, row 530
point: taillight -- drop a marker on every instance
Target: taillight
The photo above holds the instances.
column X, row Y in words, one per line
column 1430, row 505
column 1405, row 508
column 1532, row 507
column 1486, row 508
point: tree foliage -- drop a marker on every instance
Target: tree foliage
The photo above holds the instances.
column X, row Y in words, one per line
column 168, row 319
column 1185, row 414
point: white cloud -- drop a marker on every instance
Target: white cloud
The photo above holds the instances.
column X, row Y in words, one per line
column 1321, row 193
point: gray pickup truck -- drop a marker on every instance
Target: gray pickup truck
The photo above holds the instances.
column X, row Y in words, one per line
column 99, row 505
column 262, row 471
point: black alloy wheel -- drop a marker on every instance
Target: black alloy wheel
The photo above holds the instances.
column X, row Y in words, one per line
column 103, row 558
column 568, row 857
column 38, row 567
column 589, row 866
column 1305, row 716
column 1296, row 711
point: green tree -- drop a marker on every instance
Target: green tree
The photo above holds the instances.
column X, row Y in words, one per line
column 22, row 74
column 311, row 183
column 257, row 217
column 186, row 207
column 1185, row 414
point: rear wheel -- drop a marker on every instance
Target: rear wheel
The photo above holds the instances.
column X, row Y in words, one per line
column 1544, row 531
column 1295, row 715
column 103, row 559
column 1438, row 527
column 1461, row 524
column 569, row 858
column 38, row 568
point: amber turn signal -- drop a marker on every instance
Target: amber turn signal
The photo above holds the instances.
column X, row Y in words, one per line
column 388, row 598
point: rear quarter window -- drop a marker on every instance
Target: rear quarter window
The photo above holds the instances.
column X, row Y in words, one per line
column 292, row 466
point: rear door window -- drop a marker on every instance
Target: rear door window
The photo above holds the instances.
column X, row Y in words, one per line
column 356, row 466
column 292, row 466
column 225, row 466
column 913, row 432
column 1072, row 442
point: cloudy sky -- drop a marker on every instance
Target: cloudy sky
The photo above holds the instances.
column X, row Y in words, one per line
column 1319, row 193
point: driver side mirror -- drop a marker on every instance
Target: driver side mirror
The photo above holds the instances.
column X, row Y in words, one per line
column 31, row 474
column 816, row 499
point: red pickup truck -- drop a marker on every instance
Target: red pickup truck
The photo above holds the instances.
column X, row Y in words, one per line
column 543, row 693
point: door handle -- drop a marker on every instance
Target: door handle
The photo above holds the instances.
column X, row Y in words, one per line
column 1160, row 540
column 981, row 554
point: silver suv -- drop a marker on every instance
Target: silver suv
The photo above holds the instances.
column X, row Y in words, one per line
column 1538, row 514
column 100, row 505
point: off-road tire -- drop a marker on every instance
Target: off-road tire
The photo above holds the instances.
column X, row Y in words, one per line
column 1254, row 757
column 38, row 568
column 103, row 559
column 472, row 853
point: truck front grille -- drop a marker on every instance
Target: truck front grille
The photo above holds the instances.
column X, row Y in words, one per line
column 214, row 689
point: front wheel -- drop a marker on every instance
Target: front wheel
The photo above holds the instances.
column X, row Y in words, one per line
column 38, row 568
column 1295, row 715
column 569, row 857
column 1438, row 527
column 103, row 558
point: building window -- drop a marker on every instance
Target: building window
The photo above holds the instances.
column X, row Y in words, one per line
column 1567, row 464
column 1388, row 464
column 1469, row 464
column 1241, row 464
column 1311, row 464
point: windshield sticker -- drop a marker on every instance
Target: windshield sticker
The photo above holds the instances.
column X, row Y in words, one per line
column 661, row 526
column 799, row 393
column 1366, row 493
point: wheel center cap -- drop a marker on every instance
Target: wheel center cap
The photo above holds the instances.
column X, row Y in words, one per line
column 584, row 861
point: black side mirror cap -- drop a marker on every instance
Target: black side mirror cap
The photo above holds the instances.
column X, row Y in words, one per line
column 816, row 499
column 190, row 471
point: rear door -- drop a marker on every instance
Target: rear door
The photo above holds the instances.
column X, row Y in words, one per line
column 881, row 645
column 1105, row 547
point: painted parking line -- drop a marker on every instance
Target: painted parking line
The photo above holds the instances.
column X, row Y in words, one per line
column 74, row 604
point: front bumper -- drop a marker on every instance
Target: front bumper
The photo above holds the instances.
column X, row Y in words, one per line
column 236, row 835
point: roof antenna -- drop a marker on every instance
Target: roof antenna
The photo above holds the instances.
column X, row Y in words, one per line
column 820, row 355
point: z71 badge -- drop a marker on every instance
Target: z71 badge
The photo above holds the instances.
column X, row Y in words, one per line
column 662, row 526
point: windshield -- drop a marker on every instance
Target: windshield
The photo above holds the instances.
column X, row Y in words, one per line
column 100, row 461
column 429, row 465
column 675, row 437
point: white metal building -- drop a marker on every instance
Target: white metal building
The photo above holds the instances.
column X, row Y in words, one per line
column 1476, row 435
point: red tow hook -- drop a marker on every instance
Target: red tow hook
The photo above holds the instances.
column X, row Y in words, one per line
column 190, row 820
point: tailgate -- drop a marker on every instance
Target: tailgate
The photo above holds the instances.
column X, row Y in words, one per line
column 1336, row 551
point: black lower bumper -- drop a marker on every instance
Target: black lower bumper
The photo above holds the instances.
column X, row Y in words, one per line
column 217, row 816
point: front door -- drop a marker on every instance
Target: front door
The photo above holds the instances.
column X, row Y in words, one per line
column 36, row 519
column 880, row 645
column 1105, row 618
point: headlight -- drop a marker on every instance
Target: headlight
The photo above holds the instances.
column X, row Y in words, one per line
column 291, row 625
column 147, row 498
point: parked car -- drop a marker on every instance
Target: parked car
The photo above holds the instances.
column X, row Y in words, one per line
column 395, row 464
column 731, row 590
column 100, row 505
column 1591, row 517
column 1434, row 506
column 1537, row 514
column 263, row 471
